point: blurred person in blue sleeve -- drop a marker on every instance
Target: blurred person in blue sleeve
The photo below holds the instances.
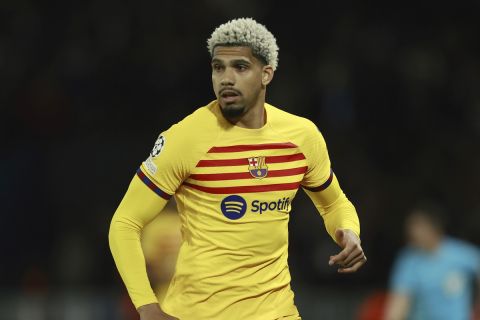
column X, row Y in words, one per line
column 434, row 277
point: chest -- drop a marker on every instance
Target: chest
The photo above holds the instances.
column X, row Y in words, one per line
column 444, row 275
column 250, row 167
column 249, row 179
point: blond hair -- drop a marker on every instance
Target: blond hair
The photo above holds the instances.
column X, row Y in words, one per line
column 246, row 32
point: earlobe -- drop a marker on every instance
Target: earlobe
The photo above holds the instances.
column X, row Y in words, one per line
column 266, row 80
column 267, row 76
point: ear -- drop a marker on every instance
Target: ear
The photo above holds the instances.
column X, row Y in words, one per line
column 267, row 74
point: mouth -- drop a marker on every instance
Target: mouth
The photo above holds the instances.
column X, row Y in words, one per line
column 229, row 95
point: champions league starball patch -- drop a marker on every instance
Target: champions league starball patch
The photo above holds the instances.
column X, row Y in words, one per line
column 158, row 147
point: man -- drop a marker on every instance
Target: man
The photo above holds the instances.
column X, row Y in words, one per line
column 234, row 167
column 433, row 277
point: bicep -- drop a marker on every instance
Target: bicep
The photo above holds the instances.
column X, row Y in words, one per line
column 169, row 163
column 140, row 204
column 138, row 207
column 318, row 160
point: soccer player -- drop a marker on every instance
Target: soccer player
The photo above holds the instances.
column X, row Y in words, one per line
column 434, row 276
column 234, row 167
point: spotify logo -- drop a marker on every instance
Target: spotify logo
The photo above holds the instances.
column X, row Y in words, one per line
column 233, row 207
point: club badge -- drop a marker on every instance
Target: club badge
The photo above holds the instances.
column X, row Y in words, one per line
column 257, row 167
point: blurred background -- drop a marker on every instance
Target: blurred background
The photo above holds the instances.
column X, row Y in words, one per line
column 87, row 86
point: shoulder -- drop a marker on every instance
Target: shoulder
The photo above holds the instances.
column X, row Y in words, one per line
column 199, row 123
column 404, row 275
column 282, row 117
column 192, row 132
column 294, row 126
column 460, row 246
column 407, row 257
column 405, row 265
column 186, row 138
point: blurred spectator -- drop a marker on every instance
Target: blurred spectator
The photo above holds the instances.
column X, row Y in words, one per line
column 433, row 277
column 88, row 85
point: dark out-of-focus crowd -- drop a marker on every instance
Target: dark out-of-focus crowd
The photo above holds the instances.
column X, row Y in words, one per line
column 88, row 85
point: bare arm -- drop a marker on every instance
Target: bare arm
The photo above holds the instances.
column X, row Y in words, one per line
column 398, row 306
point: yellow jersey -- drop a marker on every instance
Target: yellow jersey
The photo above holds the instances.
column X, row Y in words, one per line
column 234, row 189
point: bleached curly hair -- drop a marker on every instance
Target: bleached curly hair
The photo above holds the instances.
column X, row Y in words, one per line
column 246, row 32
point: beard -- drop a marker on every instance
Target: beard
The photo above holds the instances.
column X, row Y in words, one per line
column 232, row 111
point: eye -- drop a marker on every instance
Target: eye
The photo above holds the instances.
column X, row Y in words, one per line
column 241, row 67
column 217, row 67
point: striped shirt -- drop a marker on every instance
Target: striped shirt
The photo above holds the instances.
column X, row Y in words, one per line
column 234, row 188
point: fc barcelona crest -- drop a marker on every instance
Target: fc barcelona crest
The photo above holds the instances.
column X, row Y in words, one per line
column 257, row 167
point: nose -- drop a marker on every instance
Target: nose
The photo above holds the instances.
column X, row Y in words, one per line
column 228, row 78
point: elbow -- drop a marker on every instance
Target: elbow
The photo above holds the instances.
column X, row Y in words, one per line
column 123, row 227
column 112, row 233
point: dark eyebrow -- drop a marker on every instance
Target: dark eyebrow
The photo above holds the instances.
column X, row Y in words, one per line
column 215, row 60
column 236, row 61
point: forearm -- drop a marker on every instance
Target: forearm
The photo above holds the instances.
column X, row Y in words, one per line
column 138, row 207
column 397, row 307
column 336, row 210
column 127, row 252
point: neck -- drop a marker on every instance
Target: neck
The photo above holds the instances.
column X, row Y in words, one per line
column 255, row 117
column 434, row 243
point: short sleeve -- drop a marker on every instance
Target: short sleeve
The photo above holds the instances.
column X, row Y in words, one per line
column 168, row 164
column 319, row 172
column 403, row 278
column 470, row 257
